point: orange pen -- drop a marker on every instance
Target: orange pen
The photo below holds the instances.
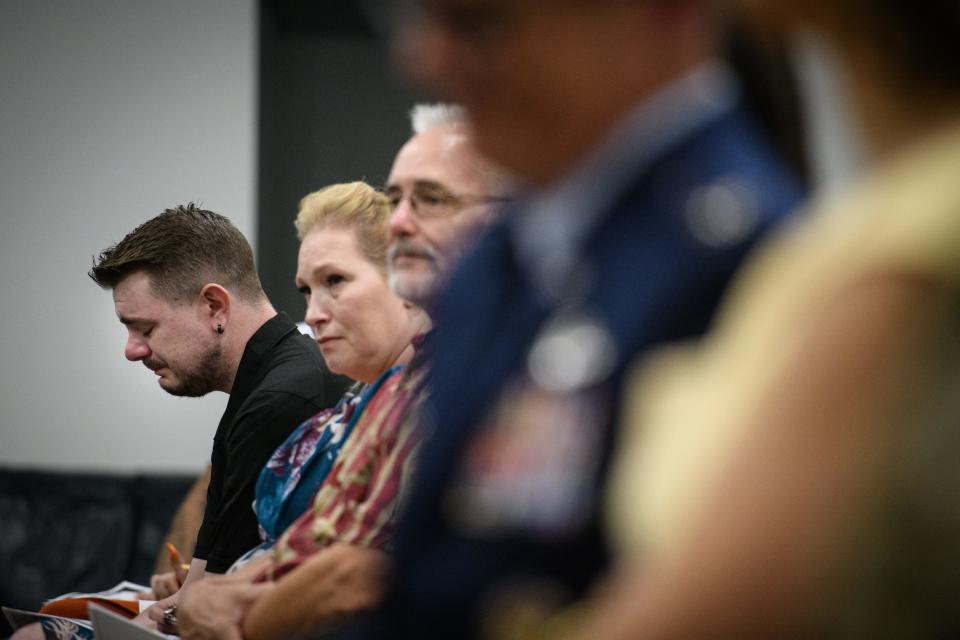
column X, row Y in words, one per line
column 175, row 557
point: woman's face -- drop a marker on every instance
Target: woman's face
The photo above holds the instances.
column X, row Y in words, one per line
column 361, row 326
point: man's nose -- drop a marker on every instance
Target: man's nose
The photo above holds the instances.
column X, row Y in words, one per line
column 136, row 348
column 402, row 221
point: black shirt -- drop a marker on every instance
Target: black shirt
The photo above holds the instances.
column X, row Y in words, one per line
column 281, row 381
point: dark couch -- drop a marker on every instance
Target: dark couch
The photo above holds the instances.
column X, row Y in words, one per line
column 64, row 532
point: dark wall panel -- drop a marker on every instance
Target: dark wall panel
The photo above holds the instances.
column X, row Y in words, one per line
column 331, row 110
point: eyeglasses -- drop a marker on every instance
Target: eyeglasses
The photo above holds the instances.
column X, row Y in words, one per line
column 433, row 201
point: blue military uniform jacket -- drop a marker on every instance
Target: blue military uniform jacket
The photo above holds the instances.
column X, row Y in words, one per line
column 651, row 270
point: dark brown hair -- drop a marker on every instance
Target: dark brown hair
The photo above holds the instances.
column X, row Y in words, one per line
column 917, row 43
column 182, row 249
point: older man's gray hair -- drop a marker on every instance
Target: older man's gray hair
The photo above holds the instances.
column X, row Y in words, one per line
column 427, row 116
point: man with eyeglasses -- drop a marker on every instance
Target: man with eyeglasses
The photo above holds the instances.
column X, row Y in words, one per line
column 442, row 191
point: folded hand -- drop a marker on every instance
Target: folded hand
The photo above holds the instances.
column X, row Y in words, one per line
column 214, row 609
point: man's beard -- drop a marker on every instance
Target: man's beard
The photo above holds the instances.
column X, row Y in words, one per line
column 208, row 375
column 419, row 288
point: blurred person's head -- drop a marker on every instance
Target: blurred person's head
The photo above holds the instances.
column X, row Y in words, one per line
column 544, row 80
column 441, row 191
column 185, row 286
column 902, row 59
column 361, row 326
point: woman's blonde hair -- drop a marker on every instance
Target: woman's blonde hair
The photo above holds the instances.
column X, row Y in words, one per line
column 353, row 205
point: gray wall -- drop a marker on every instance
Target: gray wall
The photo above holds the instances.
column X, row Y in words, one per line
column 110, row 111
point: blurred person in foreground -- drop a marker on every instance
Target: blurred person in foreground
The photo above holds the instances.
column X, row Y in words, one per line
column 332, row 561
column 185, row 286
column 796, row 475
column 646, row 185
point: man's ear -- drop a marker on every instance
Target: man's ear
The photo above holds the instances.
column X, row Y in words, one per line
column 215, row 305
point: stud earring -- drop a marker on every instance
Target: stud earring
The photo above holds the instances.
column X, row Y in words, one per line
column 220, row 329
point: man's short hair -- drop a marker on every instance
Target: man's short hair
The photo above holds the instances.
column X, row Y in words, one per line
column 182, row 249
column 424, row 117
column 427, row 116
